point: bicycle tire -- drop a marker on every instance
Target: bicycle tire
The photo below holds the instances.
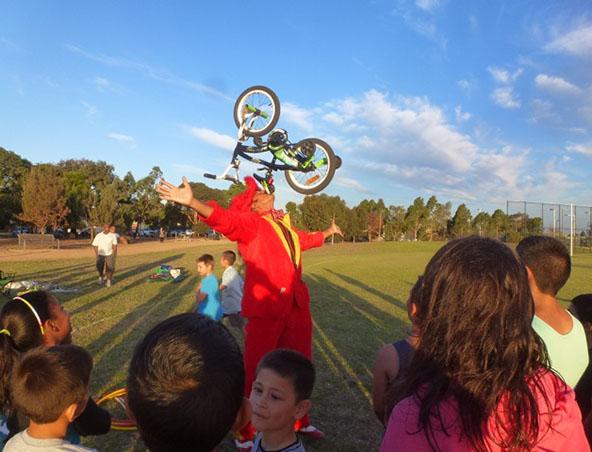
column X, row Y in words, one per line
column 263, row 99
column 311, row 182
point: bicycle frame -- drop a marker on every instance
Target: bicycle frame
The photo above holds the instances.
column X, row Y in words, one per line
column 244, row 151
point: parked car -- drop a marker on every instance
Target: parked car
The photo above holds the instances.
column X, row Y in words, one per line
column 20, row 230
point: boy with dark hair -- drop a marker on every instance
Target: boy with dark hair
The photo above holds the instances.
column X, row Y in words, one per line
column 50, row 387
column 207, row 293
column 231, row 290
column 548, row 266
column 280, row 396
column 185, row 385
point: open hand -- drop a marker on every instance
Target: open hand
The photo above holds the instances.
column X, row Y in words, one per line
column 333, row 229
column 182, row 195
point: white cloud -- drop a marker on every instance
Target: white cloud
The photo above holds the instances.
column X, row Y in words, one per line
column 298, row 116
column 427, row 5
column 580, row 148
column 576, row 42
column 555, row 85
column 464, row 84
column 420, row 25
column 460, row 116
column 505, row 97
column 162, row 75
column 91, row 110
column 188, row 169
column 504, row 76
column 212, row 137
column 473, row 23
column 353, row 184
column 121, row 137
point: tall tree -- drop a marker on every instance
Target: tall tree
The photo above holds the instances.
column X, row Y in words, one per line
column 44, row 198
column 395, row 224
column 13, row 169
column 481, row 223
column 416, row 216
column 499, row 221
column 461, row 222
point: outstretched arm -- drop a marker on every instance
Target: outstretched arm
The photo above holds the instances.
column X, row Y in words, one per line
column 184, row 196
column 332, row 229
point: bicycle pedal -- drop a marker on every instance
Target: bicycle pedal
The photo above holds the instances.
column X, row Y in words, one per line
column 210, row 176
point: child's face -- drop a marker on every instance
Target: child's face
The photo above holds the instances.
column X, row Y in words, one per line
column 203, row 269
column 273, row 399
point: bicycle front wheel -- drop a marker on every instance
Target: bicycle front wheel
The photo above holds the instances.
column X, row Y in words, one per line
column 259, row 108
column 322, row 167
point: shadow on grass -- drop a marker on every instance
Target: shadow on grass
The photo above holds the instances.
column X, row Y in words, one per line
column 119, row 287
column 62, row 273
column 348, row 333
column 371, row 290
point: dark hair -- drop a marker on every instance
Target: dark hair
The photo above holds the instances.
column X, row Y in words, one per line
column 46, row 381
column 549, row 260
column 207, row 259
column 22, row 334
column 229, row 256
column 291, row 364
column 583, row 305
column 185, row 384
column 476, row 346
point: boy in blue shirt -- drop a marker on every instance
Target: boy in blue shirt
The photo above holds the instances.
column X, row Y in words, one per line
column 207, row 293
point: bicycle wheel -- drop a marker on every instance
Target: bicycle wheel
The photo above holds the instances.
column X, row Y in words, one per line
column 264, row 106
column 321, row 172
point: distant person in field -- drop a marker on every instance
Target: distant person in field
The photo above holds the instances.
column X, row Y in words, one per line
column 185, row 385
column 231, row 290
column 393, row 359
column 49, row 386
column 207, row 293
column 276, row 300
column 105, row 247
column 479, row 379
column 161, row 234
column 548, row 266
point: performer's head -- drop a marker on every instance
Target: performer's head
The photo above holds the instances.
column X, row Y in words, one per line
column 262, row 202
column 252, row 199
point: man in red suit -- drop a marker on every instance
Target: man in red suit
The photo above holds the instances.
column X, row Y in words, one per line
column 276, row 300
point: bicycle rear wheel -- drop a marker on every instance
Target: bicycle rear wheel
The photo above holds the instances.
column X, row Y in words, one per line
column 323, row 166
column 260, row 107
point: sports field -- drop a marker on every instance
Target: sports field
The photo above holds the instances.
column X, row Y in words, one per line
column 358, row 294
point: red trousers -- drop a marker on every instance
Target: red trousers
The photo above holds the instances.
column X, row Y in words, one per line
column 264, row 335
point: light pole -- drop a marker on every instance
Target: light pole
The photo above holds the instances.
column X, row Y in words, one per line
column 553, row 209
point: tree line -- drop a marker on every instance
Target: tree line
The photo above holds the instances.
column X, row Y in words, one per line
column 80, row 193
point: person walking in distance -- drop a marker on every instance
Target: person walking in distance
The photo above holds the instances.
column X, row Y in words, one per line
column 105, row 247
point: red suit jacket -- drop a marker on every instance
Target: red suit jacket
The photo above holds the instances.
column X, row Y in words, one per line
column 272, row 280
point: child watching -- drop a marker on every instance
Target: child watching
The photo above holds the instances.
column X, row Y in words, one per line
column 231, row 290
column 185, row 385
column 280, row 396
column 50, row 387
column 207, row 293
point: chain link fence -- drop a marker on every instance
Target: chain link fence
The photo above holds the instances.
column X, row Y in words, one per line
column 556, row 220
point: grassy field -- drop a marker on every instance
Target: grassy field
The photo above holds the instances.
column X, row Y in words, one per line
column 358, row 296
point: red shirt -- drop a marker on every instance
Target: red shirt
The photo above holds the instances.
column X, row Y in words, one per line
column 273, row 279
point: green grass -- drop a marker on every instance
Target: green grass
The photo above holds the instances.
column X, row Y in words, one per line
column 358, row 294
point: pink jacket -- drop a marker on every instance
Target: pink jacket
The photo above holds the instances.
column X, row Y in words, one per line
column 565, row 435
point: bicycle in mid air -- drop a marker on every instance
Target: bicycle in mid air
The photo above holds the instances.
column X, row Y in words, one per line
column 309, row 165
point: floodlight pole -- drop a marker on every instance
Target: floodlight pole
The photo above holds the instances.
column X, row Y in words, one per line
column 571, row 216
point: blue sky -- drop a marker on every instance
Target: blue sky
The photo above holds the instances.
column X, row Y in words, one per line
column 472, row 101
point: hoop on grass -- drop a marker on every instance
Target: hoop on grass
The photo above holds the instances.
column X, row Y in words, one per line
column 123, row 425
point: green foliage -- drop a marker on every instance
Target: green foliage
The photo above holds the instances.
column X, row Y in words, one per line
column 461, row 222
column 12, row 172
column 44, row 198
